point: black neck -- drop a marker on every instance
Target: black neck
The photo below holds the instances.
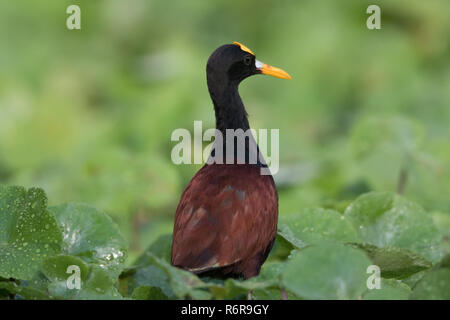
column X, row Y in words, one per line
column 229, row 109
column 230, row 114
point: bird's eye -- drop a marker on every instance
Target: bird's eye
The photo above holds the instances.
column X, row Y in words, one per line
column 247, row 60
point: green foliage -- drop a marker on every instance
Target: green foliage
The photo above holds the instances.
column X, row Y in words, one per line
column 434, row 286
column 319, row 254
column 96, row 282
column 92, row 236
column 390, row 290
column 55, row 267
column 148, row 293
column 313, row 226
column 28, row 232
column 40, row 244
column 386, row 219
column 327, row 272
column 395, row 262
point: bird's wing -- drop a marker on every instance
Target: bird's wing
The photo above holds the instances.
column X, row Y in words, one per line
column 226, row 214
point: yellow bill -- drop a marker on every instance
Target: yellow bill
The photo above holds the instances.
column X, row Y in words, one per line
column 272, row 71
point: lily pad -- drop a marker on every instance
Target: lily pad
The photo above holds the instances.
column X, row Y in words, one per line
column 385, row 219
column 435, row 284
column 314, row 226
column 58, row 268
column 95, row 282
column 328, row 271
column 28, row 232
column 389, row 290
column 92, row 236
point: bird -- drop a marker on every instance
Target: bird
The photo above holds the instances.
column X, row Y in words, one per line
column 226, row 220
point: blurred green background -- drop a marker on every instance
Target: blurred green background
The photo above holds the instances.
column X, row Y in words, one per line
column 87, row 114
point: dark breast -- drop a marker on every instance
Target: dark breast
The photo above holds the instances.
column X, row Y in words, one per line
column 226, row 221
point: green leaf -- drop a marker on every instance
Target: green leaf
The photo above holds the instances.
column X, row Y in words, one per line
column 156, row 272
column 435, row 284
column 314, row 226
column 52, row 283
column 28, row 232
column 390, row 290
column 387, row 220
column 145, row 273
column 412, row 280
column 328, row 271
column 184, row 283
column 272, row 294
column 268, row 278
column 149, row 275
column 57, row 272
column 395, row 262
column 25, row 292
column 148, row 293
column 153, row 269
column 281, row 249
column 442, row 221
column 97, row 284
column 92, row 236
column 56, row 268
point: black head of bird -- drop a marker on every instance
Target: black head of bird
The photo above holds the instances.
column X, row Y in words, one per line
column 227, row 66
column 226, row 220
column 232, row 63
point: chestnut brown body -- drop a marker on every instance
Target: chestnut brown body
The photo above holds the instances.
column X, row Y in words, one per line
column 226, row 221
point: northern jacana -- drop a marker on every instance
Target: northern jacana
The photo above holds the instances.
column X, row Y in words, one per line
column 226, row 221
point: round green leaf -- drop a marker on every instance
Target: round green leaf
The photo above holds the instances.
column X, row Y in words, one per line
column 57, row 271
column 56, row 268
column 327, row 272
column 92, row 236
column 313, row 226
column 435, row 285
column 28, row 232
column 387, row 220
column 97, row 286
column 389, row 290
